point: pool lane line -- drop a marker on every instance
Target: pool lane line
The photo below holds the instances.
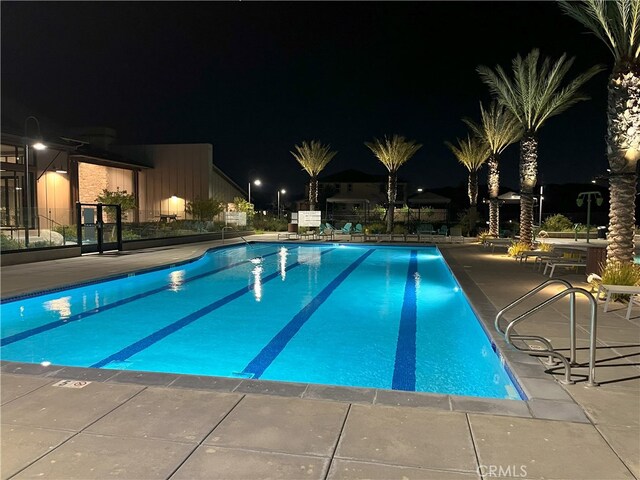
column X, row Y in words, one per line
column 146, row 342
column 404, row 370
column 268, row 354
column 80, row 316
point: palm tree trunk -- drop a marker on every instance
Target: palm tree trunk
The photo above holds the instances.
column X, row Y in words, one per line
column 623, row 141
column 391, row 195
column 493, row 182
column 528, row 177
column 313, row 192
column 472, row 188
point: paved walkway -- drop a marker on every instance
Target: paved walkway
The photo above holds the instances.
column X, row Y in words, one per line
column 124, row 425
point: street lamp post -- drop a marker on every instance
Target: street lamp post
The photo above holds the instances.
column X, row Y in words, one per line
column 283, row 191
column 580, row 201
column 257, row 183
column 37, row 145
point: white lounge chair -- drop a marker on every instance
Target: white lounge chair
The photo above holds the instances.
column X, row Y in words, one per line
column 562, row 262
column 609, row 290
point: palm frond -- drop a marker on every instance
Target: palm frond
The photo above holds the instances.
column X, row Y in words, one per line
column 535, row 92
column 615, row 22
column 394, row 152
column 313, row 156
column 498, row 127
column 472, row 153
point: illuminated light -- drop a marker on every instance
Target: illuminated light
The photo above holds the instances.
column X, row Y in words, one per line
column 177, row 279
column 45, row 363
column 18, row 188
column 256, row 261
column 60, row 170
column 283, row 262
column 39, row 146
column 257, row 182
column 257, row 282
column 174, row 197
column 456, row 289
column 60, row 305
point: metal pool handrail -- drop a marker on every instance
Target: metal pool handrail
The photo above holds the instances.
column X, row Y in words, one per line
column 550, row 351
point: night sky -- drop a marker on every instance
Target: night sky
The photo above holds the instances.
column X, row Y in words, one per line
column 255, row 78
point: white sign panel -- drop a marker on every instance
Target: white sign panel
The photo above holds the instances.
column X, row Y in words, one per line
column 309, row 218
column 294, row 218
column 236, row 218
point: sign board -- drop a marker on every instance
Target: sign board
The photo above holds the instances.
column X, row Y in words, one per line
column 309, row 218
column 236, row 218
column 294, row 218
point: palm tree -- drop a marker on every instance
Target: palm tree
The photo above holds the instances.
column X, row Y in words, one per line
column 498, row 129
column 534, row 95
column 393, row 154
column 472, row 153
column 617, row 24
column 313, row 157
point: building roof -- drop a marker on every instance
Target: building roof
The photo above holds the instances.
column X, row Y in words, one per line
column 428, row 198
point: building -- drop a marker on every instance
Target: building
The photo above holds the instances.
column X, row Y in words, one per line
column 39, row 189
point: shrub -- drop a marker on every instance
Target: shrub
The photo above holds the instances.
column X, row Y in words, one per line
column 127, row 201
column 516, row 248
column 204, row 208
column 377, row 227
column 545, row 247
column 619, row 273
column 557, row 223
column 484, row 235
column 7, row 243
column 69, row 232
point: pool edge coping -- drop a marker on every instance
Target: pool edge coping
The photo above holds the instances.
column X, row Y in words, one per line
column 541, row 403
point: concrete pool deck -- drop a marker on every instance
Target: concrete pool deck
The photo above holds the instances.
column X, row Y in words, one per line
column 147, row 425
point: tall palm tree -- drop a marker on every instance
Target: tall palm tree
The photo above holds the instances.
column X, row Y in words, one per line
column 393, row 153
column 498, row 129
column 533, row 95
column 472, row 153
column 617, row 24
column 313, row 157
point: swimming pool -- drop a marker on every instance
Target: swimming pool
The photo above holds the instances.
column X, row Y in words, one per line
column 352, row 315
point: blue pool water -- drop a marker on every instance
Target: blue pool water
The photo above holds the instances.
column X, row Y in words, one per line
column 382, row 317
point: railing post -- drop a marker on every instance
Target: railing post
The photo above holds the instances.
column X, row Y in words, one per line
column 572, row 329
column 79, row 224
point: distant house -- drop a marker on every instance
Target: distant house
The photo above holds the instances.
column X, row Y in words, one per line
column 352, row 193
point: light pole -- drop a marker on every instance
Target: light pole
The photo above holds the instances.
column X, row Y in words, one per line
column 540, row 215
column 283, row 191
column 580, row 201
column 257, row 183
column 37, row 145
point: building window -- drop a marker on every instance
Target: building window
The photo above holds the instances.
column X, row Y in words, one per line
column 349, row 187
column 337, row 187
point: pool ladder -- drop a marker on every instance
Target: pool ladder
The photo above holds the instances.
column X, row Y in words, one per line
column 548, row 350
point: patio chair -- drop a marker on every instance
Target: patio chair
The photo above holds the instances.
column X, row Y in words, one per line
column 345, row 230
column 610, row 290
column 426, row 230
column 325, row 232
column 357, row 232
column 443, row 230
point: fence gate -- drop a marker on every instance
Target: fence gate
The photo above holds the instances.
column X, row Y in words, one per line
column 99, row 227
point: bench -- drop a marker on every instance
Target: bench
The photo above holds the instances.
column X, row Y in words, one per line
column 620, row 290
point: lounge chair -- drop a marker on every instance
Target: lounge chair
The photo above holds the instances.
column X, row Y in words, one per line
column 456, row 235
column 609, row 290
column 443, row 230
column 562, row 262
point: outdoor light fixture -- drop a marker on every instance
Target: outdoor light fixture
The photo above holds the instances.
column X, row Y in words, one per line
column 60, row 170
column 420, row 189
column 174, row 197
column 580, row 202
column 282, row 191
column 257, row 183
column 37, row 145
